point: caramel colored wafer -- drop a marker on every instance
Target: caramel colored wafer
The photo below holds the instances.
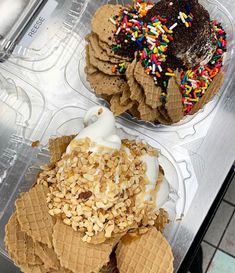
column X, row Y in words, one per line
column 105, row 67
column 19, row 245
column 60, row 270
column 102, row 25
column 125, row 97
column 110, row 52
column 174, row 105
column 162, row 220
column 48, row 256
column 99, row 52
column 151, row 90
column 213, row 88
column 100, row 237
column 116, row 106
column 57, row 146
column 42, row 269
column 89, row 69
column 147, row 113
column 149, row 253
column 137, row 93
column 76, row 255
column 134, row 111
column 33, row 269
column 163, row 117
column 33, row 216
column 106, row 85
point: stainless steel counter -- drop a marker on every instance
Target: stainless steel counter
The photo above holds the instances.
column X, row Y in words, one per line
column 217, row 149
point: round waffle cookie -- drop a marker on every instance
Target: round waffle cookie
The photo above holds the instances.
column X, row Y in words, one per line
column 151, row 90
column 118, row 107
column 147, row 113
column 57, row 146
column 174, row 99
column 102, row 25
column 137, row 93
column 33, row 216
column 33, row 269
column 76, row 255
column 149, row 253
column 162, row 220
column 99, row 52
column 106, row 85
column 19, row 245
column 89, row 69
column 103, row 66
column 48, row 256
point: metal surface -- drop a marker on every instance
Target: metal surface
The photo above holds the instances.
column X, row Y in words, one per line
column 212, row 154
column 218, row 149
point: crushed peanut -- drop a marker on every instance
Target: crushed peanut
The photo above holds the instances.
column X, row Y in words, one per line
column 97, row 192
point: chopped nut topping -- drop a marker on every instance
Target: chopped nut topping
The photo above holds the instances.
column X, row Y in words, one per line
column 96, row 190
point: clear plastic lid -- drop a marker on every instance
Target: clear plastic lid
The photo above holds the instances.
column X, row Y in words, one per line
column 34, row 32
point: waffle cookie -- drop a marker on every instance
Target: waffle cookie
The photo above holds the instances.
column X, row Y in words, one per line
column 149, row 253
column 19, row 245
column 77, row 255
column 40, row 243
column 101, row 23
column 32, row 215
column 167, row 78
column 57, row 147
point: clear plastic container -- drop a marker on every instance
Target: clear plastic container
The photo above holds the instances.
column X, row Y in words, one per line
column 25, row 112
column 15, row 17
column 190, row 126
column 40, row 33
column 44, row 94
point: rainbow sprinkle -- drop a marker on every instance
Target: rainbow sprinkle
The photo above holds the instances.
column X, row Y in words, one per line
column 150, row 39
column 186, row 18
column 195, row 81
column 121, row 68
column 157, row 36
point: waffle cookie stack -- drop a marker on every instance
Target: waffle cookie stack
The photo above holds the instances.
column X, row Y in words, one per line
column 40, row 243
column 123, row 66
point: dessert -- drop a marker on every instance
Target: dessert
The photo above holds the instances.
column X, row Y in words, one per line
column 165, row 58
column 98, row 196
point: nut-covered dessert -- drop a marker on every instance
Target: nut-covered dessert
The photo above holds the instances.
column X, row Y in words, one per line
column 100, row 194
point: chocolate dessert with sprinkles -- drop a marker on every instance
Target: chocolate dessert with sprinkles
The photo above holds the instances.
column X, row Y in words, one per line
column 163, row 60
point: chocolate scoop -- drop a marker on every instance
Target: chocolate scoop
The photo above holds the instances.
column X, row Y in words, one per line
column 193, row 45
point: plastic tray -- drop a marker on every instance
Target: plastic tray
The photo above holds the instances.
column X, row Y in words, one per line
column 44, row 94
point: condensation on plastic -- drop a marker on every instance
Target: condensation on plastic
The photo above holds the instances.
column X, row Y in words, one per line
column 53, row 99
column 191, row 126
